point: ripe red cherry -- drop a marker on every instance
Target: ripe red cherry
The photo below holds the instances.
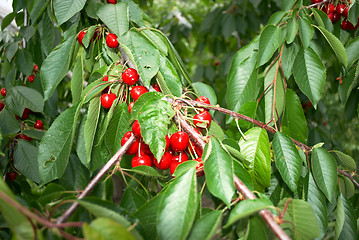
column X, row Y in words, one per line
column 27, row 138
column 331, row 16
column 38, row 124
column 173, row 166
column 194, row 148
column 167, row 143
column 182, row 157
column 112, row 1
column 179, row 141
column 137, row 91
column 336, row 17
column 31, row 78
column 136, row 129
column 130, row 76
column 316, row 1
column 105, row 79
column 111, row 40
column 143, row 160
column 35, row 68
column 80, row 36
column 130, row 106
column 340, row 8
column 165, row 162
column 11, row 176
column 350, row 26
column 345, row 12
column 202, row 119
column 107, row 99
column 25, row 114
column 344, row 24
column 203, row 99
column 156, row 87
column 145, row 149
column 199, row 167
column 3, row 92
column 2, row 105
column 134, row 147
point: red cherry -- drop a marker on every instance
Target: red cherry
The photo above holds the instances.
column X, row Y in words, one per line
column 156, row 87
column 199, row 167
column 137, row 91
column 130, row 76
column 145, row 149
column 179, row 141
column 182, row 157
column 80, row 36
column 345, row 12
column 167, row 143
column 35, row 68
column 202, row 119
column 331, row 16
column 130, row 106
column 165, row 162
column 107, row 99
column 203, row 99
column 11, row 176
column 111, row 41
column 350, row 26
column 25, row 114
column 27, row 138
column 194, row 148
column 143, row 160
column 340, row 8
column 31, row 78
column 316, row 1
column 3, row 92
column 105, row 79
column 38, row 124
column 134, row 147
column 344, row 24
column 336, row 17
column 112, row 1
column 2, row 105
column 173, row 166
column 136, row 129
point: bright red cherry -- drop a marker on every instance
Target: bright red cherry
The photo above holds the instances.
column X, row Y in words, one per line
column 167, row 143
column 202, row 119
column 199, row 167
column 35, row 68
column 136, row 129
column 80, row 36
column 27, row 138
column 345, row 12
column 105, row 79
column 11, row 176
column 130, row 76
column 182, row 157
column 173, row 166
column 130, row 106
column 107, row 99
column 344, row 24
column 3, row 92
column 38, row 124
column 112, row 1
column 179, row 141
column 156, row 87
column 203, row 99
column 137, row 91
column 2, row 105
column 25, row 114
column 134, row 147
column 340, row 8
column 331, row 16
column 165, row 162
column 111, row 41
column 143, row 160
column 31, row 78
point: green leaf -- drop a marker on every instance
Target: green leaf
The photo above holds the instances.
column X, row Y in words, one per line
column 256, row 229
column 106, row 229
column 55, row 66
column 246, row 208
column 142, row 101
column 146, row 171
column 92, row 119
column 206, row 226
column 294, row 117
column 352, row 50
column 346, row 186
column 179, row 199
column 276, row 18
column 66, row 9
column 205, row 90
column 287, row 5
column 349, row 229
column 336, row 45
column 353, row 13
column 115, row 17
column 16, row 221
column 301, row 215
column 242, row 77
column 350, row 81
column 23, row 60
column 154, row 119
column 184, row 166
column 257, row 153
column 317, row 200
column 7, row 20
column 292, row 30
column 20, row 97
column 306, row 32
column 242, row 174
column 218, row 168
column 287, row 160
column 324, row 168
column 309, row 74
column 346, row 160
column 155, row 40
column 77, row 80
column 93, row 89
column 88, row 36
column 10, row 50
column 172, row 82
column 132, row 200
column 323, row 19
column 55, row 146
column 47, row 33
column 288, row 57
column 8, row 122
column 25, row 160
column 76, row 175
column 269, row 42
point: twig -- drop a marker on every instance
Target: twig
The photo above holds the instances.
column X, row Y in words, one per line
column 115, row 158
column 350, row 177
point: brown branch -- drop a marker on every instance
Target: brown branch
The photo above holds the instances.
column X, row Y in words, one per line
column 115, row 158
column 350, row 177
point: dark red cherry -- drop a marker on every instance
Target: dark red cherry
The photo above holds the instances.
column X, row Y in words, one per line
column 134, row 147
column 165, row 161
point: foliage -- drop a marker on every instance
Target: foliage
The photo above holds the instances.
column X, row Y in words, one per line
column 271, row 66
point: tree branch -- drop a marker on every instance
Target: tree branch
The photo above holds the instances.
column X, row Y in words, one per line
column 115, row 158
column 350, row 177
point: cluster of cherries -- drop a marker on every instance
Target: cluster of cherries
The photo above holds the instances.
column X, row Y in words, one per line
column 35, row 70
column 111, row 39
column 335, row 12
